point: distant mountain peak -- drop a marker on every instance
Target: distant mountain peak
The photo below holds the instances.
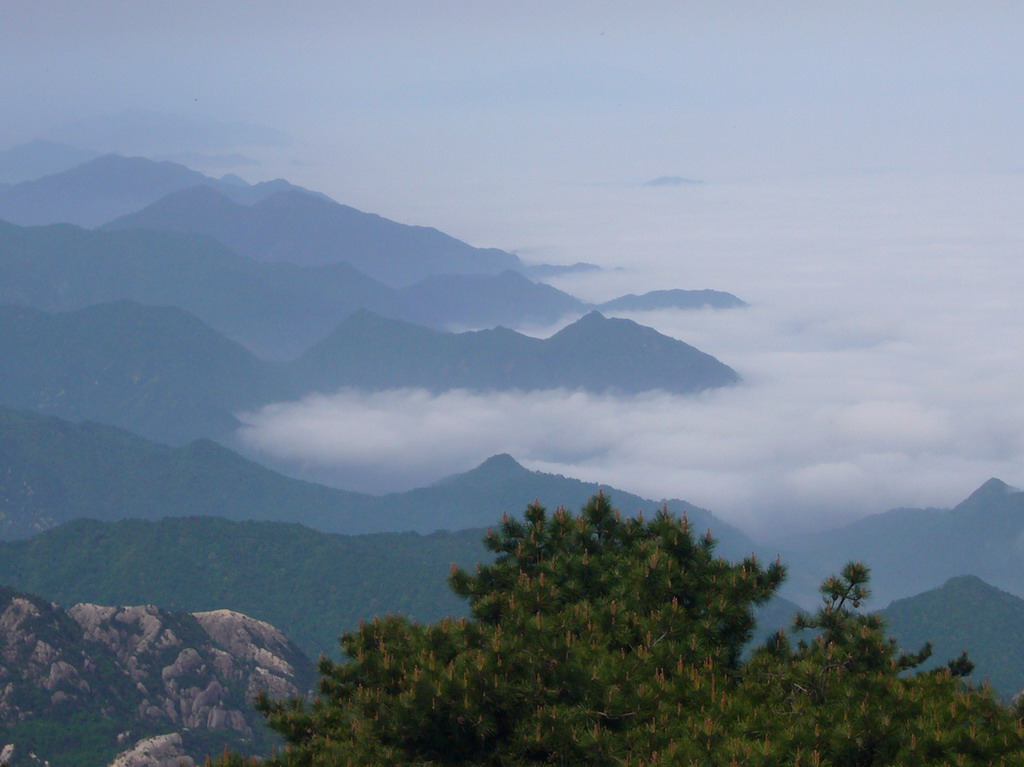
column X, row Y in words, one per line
column 502, row 461
column 992, row 489
column 364, row 319
column 495, row 469
column 969, row 581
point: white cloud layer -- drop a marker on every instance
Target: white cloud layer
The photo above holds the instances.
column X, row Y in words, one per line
column 882, row 358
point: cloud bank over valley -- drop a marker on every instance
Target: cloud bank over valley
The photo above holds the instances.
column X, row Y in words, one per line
column 880, row 358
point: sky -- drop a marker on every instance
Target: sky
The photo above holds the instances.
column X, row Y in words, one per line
column 862, row 169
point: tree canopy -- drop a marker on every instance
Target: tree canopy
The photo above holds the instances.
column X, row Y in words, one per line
column 601, row 640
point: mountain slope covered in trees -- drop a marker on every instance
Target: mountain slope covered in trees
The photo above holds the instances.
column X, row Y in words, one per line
column 966, row 614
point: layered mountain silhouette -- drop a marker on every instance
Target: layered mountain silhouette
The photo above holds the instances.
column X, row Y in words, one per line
column 157, row 370
column 277, row 309
column 303, row 229
column 167, row 375
column 672, row 299
column 109, row 186
column 55, row 470
column 371, row 352
column 912, row 550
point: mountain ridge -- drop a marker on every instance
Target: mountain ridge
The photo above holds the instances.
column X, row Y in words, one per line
column 53, row 470
column 308, row 230
column 166, row 374
column 109, row 186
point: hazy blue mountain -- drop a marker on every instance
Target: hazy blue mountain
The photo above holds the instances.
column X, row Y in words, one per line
column 110, row 186
column 371, row 352
column 309, row 230
column 486, row 300
column 912, row 550
column 478, row 498
column 276, row 309
column 53, row 470
column 165, row 374
column 155, row 370
column 95, row 191
column 672, row 299
column 642, row 357
column 39, row 157
column 965, row 613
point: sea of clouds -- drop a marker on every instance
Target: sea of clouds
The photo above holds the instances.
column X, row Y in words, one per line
column 881, row 353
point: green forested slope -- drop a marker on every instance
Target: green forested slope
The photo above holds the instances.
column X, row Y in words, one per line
column 309, row 584
column 965, row 613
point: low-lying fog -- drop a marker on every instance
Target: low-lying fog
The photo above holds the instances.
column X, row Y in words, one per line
column 881, row 354
column 863, row 192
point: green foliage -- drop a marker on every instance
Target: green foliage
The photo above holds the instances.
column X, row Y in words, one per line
column 965, row 613
column 843, row 697
column 310, row 585
column 599, row 640
column 80, row 737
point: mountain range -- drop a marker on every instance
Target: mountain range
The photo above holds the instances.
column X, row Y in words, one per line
column 270, row 221
column 167, row 375
column 109, row 186
column 276, row 309
column 911, row 550
column 371, row 352
column 53, row 471
column 190, row 564
column 198, row 298
column 308, row 230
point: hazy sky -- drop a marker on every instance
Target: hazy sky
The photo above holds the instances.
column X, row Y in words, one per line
column 864, row 189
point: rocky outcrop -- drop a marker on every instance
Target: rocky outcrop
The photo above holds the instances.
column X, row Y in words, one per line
column 158, row 751
column 140, row 672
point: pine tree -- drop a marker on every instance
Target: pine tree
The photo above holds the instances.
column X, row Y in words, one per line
column 597, row 640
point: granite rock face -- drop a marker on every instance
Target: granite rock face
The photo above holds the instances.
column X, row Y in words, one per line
column 167, row 682
column 158, row 751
